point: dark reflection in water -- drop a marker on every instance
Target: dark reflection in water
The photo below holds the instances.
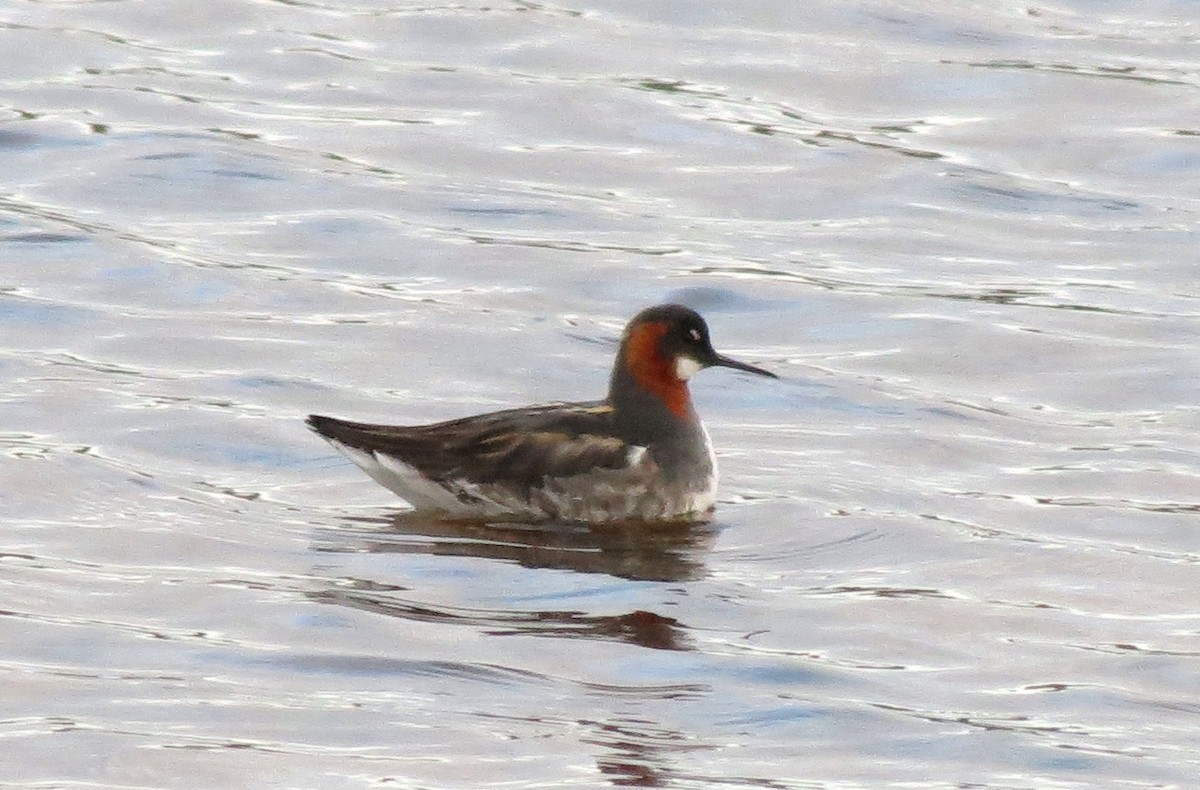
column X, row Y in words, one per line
column 636, row 751
column 640, row 751
column 628, row 551
column 666, row 553
column 639, row 627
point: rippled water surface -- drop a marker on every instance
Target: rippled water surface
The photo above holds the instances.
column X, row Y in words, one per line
column 957, row 543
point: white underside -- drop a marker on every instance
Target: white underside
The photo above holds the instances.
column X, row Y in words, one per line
column 634, row 492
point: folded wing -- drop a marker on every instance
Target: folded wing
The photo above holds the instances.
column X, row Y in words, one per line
column 519, row 448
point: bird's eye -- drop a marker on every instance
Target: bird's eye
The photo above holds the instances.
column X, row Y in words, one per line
column 694, row 334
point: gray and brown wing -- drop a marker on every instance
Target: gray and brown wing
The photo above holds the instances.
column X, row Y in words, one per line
column 518, row 448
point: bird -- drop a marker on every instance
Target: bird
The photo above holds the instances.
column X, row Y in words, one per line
column 641, row 454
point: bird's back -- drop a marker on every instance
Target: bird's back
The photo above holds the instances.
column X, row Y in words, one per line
column 562, row 460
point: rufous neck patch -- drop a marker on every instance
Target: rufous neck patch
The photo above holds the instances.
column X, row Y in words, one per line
column 654, row 371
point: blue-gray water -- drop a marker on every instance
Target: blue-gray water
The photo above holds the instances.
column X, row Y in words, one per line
column 957, row 545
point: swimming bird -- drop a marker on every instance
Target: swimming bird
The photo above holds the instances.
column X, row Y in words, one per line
column 640, row 454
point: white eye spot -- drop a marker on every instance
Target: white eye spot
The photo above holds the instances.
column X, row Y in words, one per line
column 694, row 334
column 686, row 367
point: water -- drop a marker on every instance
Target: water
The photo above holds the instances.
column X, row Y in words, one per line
column 957, row 545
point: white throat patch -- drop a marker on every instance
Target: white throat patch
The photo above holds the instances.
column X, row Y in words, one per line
column 686, row 367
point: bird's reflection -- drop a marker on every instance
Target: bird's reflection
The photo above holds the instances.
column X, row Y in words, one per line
column 641, row 552
column 666, row 553
column 640, row 627
column 639, row 752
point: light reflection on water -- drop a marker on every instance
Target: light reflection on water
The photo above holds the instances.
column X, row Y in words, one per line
column 956, row 544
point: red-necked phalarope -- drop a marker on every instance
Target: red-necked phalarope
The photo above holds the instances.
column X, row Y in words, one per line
column 641, row 454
